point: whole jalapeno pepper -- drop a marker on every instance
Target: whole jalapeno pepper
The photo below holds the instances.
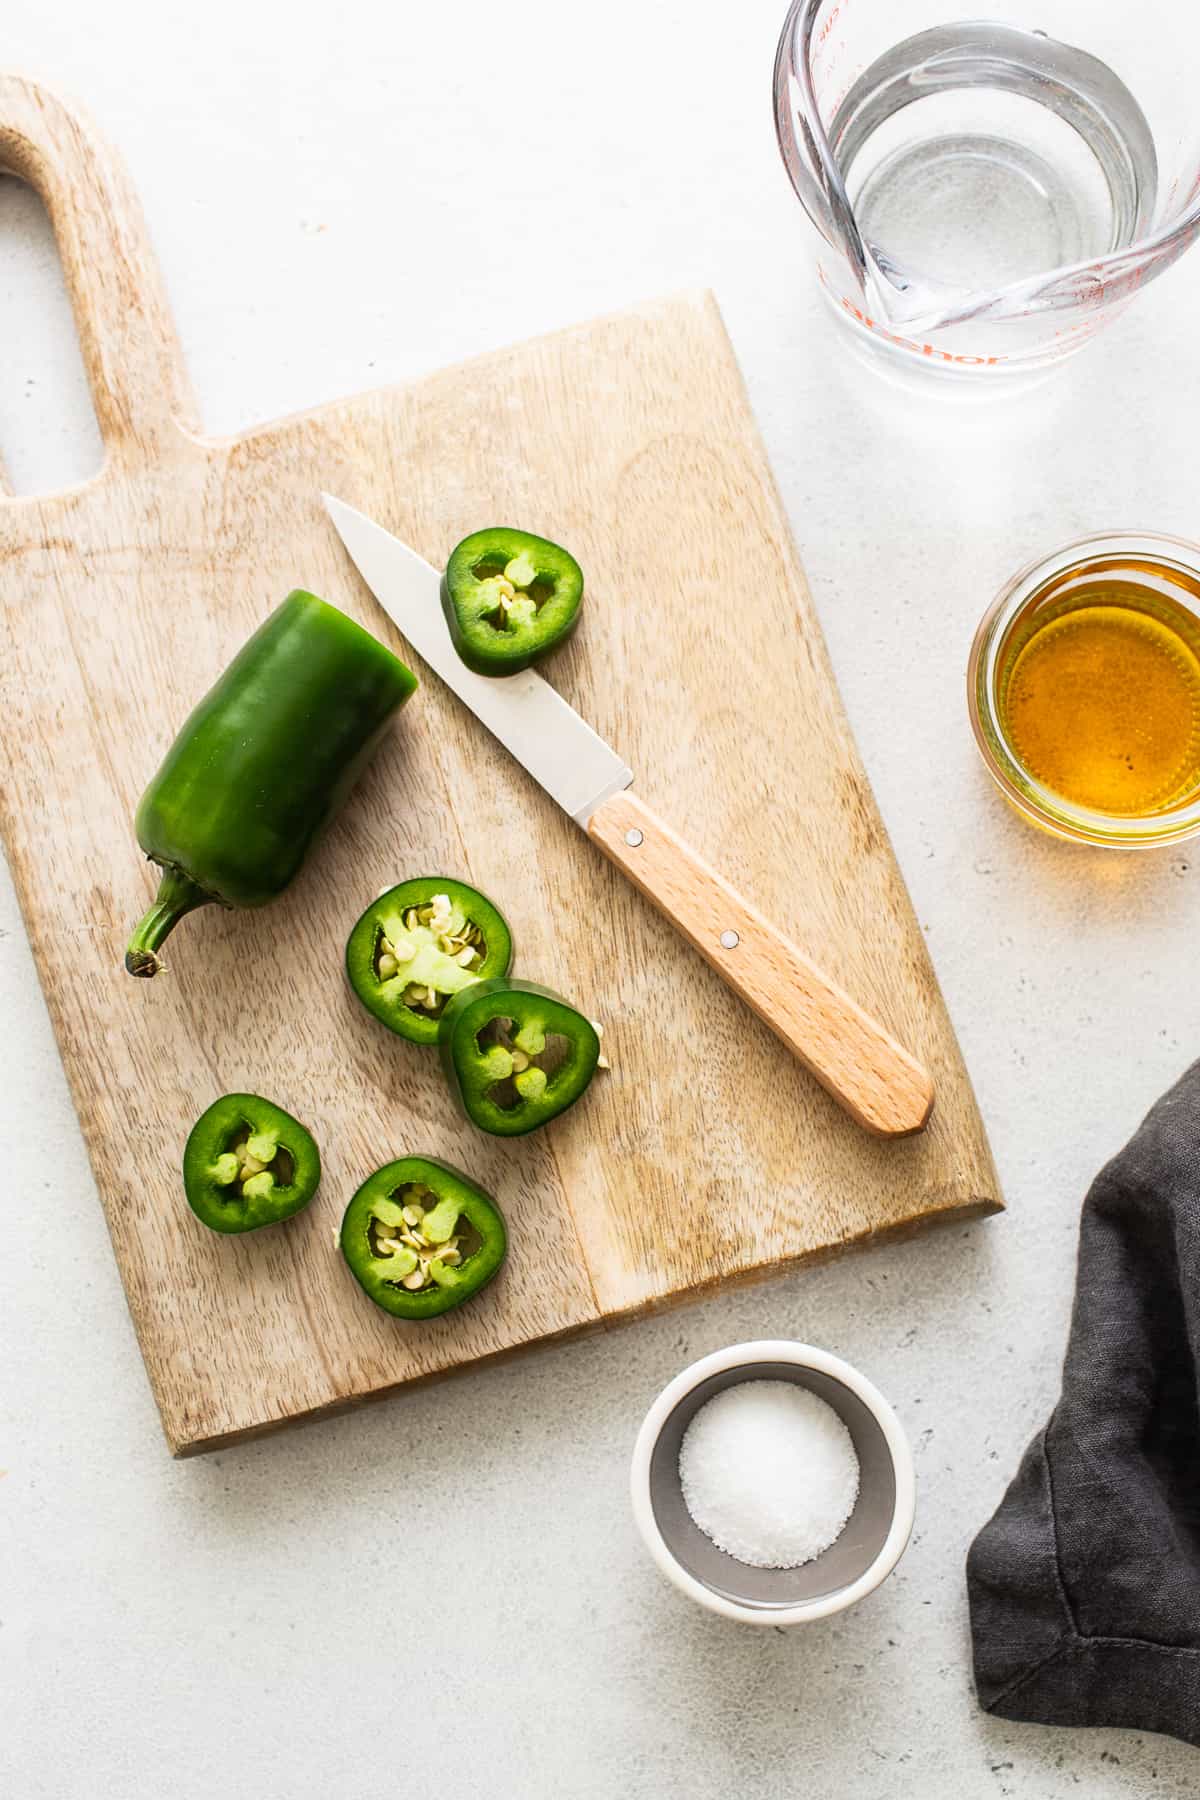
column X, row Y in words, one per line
column 420, row 943
column 420, row 1238
column 509, row 599
column 248, row 1163
column 515, row 1054
column 262, row 764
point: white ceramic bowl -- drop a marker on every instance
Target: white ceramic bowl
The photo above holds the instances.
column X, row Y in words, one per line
column 853, row 1566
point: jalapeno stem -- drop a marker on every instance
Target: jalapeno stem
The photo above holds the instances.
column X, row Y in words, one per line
column 177, row 895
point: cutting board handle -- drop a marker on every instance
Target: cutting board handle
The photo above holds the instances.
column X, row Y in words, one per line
column 140, row 387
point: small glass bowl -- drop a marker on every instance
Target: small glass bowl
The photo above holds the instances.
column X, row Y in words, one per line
column 1010, row 610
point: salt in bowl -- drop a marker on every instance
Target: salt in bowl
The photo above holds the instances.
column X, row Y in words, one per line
column 859, row 1559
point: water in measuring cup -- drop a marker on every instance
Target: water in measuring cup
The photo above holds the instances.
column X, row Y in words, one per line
column 1021, row 155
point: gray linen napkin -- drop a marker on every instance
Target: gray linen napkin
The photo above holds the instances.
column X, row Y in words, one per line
column 1085, row 1585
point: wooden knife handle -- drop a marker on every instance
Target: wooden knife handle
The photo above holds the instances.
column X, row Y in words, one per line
column 864, row 1068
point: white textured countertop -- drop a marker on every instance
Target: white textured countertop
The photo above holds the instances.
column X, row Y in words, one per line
column 351, row 199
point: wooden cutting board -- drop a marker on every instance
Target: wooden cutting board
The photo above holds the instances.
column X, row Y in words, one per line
column 707, row 1153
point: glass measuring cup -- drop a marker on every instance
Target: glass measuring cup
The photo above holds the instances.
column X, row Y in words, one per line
column 988, row 195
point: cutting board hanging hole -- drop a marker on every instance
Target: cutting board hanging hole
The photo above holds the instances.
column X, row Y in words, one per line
column 49, row 438
column 130, row 352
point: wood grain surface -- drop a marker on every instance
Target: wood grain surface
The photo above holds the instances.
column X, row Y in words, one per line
column 708, row 1152
column 854, row 1058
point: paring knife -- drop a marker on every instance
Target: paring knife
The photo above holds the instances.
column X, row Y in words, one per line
column 863, row 1067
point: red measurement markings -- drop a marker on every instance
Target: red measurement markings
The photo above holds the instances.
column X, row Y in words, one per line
column 830, row 20
column 895, row 337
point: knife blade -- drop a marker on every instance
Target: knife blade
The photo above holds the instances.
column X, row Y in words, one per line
column 868, row 1073
column 532, row 721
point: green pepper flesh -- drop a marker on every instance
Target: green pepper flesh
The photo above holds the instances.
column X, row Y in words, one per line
column 262, row 764
column 231, row 1195
column 500, row 1083
column 381, row 1201
column 510, row 598
column 423, row 964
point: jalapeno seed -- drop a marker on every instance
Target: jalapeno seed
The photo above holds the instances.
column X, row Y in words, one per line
column 432, row 948
column 430, row 1235
column 520, row 1061
column 252, row 1158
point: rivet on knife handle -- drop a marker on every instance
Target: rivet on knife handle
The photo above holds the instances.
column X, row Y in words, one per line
column 868, row 1073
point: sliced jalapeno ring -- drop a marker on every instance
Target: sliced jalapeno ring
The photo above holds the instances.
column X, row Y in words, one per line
column 420, row 1237
column 515, row 1054
column 509, row 598
column 419, row 944
column 247, row 1163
